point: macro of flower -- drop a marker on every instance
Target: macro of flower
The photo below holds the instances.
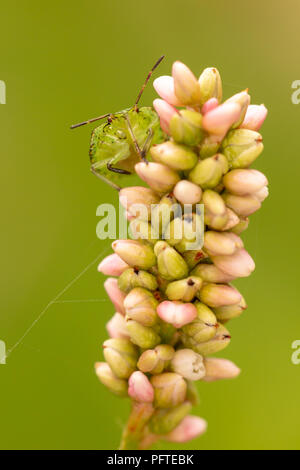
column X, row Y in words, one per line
column 172, row 302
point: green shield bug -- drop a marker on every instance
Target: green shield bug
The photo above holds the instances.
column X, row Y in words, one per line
column 124, row 139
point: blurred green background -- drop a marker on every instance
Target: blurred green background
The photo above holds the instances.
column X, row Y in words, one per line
column 67, row 61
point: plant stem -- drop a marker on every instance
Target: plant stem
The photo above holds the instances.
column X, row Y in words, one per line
column 135, row 427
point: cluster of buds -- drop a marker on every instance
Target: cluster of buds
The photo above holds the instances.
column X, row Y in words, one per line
column 172, row 302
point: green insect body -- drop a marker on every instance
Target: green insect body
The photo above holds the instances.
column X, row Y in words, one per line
column 118, row 143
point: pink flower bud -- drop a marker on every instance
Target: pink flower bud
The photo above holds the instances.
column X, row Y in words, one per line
column 164, row 87
column 255, row 116
column 115, row 294
column 262, row 194
column 217, row 369
column 116, row 327
column 244, row 181
column 209, row 105
column 219, row 120
column 210, row 273
column 159, row 177
column 139, row 387
column 177, row 313
column 189, row 428
column 242, row 205
column 240, row 264
column 165, row 112
column 112, row 265
column 217, row 295
column 186, row 85
column 187, row 192
column 232, row 220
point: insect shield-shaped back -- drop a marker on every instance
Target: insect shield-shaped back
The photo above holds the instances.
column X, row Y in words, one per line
column 112, row 143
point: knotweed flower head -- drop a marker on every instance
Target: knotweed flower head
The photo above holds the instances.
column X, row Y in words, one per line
column 172, row 300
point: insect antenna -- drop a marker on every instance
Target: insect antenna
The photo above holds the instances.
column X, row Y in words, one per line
column 147, row 80
column 90, row 120
column 74, row 126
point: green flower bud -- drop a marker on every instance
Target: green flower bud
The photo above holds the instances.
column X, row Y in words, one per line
column 189, row 364
column 168, row 333
column 193, row 257
column 164, row 421
column 243, row 99
column 210, row 146
column 135, row 253
column 186, row 233
column 210, row 85
column 140, row 305
column 208, row 173
column 192, row 393
column 185, row 289
column 215, row 344
column 140, row 229
column 216, row 243
column 224, row 163
column 169, row 389
column 131, row 198
column 203, row 328
column 132, row 278
column 228, row 312
column 215, row 213
column 170, row 264
column 241, row 226
column 162, row 283
column 121, row 355
column 242, row 205
column 159, row 177
column 142, row 336
column 241, row 147
column 113, row 383
column 176, row 156
column 163, row 213
column 155, row 360
column 186, row 127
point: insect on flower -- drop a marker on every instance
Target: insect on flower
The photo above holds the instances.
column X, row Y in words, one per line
column 117, row 145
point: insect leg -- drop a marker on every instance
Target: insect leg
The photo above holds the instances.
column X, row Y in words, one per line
column 135, row 142
column 147, row 143
column 117, row 170
column 108, row 115
column 102, row 178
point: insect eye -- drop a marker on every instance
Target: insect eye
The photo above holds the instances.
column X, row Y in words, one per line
column 121, row 134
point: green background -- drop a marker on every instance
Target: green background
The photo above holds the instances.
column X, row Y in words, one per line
column 66, row 61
